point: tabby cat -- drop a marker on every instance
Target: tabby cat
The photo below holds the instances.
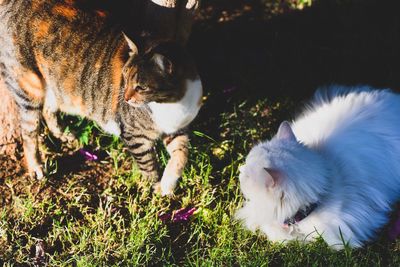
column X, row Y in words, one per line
column 56, row 56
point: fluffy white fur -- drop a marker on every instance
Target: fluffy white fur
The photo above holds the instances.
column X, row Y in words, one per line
column 171, row 117
column 342, row 152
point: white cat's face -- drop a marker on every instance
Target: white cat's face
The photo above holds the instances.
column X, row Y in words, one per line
column 269, row 163
column 254, row 179
column 284, row 172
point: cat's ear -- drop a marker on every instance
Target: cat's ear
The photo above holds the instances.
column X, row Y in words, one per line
column 163, row 63
column 272, row 177
column 132, row 47
column 285, row 132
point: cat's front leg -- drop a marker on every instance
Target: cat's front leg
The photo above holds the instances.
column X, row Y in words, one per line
column 327, row 225
column 177, row 147
column 277, row 233
column 143, row 151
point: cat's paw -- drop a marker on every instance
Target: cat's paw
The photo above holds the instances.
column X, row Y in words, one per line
column 167, row 185
column 157, row 187
column 277, row 233
column 36, row 173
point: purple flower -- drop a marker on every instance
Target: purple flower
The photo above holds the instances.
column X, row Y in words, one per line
column 88, row 155
column 164, row 217
column 181, row 215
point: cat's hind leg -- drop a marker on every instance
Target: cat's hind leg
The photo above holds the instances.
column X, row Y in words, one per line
column 28, row 92
column 50, row 109
column 30, row 131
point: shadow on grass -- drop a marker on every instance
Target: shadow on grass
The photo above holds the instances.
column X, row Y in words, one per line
column 76, row 162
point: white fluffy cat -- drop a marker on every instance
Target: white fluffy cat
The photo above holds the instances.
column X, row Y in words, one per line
column 341, row 157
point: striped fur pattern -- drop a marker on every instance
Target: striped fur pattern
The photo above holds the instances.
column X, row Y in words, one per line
column 56, row 56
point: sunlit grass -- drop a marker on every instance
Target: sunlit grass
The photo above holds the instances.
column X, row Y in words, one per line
column 106, row 215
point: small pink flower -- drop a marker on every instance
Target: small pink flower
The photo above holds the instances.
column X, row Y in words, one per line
column 181, row 215
column 89, row 156
column 164, row 217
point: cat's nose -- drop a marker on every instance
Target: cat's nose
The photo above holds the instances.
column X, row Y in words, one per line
column 129, row 93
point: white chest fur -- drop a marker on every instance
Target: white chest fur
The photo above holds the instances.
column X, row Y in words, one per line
column 170, row 117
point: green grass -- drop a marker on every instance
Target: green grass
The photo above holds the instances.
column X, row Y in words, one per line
column 104, row 214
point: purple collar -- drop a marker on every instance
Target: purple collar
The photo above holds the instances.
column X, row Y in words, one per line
column 301, row 214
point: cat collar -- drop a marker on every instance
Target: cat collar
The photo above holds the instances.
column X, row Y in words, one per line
column 301, row 214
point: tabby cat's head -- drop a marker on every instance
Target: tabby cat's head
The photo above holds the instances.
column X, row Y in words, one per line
column 157, row 75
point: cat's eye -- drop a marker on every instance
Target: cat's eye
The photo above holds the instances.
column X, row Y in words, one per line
column 141, row 88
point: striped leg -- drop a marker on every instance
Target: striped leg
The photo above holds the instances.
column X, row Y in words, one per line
column 142, row 150
column 177, row 147
column 30, row 130
column 28, row 94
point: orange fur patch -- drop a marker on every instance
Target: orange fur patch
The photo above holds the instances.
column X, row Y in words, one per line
column 32, row 85
column 69, row 85
column 36, row 5
column 117, row 64
column 42, row 29
column 65, row 11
